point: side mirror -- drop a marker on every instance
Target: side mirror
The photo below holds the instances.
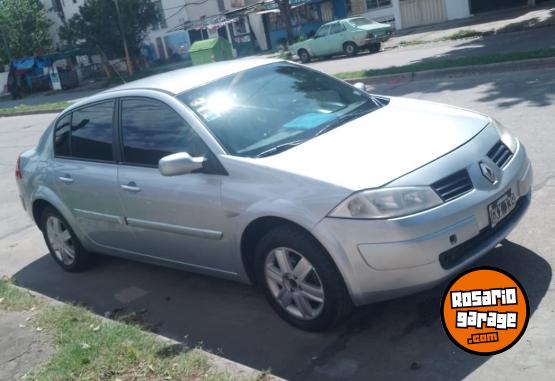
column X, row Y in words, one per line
column 179, row 163
column 361, row 86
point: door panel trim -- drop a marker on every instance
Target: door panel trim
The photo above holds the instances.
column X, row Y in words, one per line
column 100, row 216
column 177, row 229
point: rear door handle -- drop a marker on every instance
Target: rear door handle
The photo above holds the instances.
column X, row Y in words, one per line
column 131, row 187
column 66, row 179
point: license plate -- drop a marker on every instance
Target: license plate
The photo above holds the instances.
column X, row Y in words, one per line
column 501, row 207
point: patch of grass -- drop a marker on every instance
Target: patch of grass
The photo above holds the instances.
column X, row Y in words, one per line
column 54, row 106
column 14, row 299
column 90, row 348
column 445, row 64
column 466, row 33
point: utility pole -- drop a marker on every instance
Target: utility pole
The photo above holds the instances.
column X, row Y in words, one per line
column 126, row 50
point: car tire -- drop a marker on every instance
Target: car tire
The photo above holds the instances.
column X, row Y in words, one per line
column 304, row 55
column 300, row 280
column 63, row 244
column 350, row 49
column 375, row 48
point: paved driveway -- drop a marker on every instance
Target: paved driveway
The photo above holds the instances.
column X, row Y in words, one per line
column 394, row 340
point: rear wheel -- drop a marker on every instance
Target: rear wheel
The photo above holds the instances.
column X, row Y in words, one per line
column 300, row 280
column 63, row 244
column 350, row 49
column 304, row 56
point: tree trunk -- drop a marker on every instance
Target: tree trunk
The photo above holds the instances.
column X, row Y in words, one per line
column 105, row 63
column 285, row 10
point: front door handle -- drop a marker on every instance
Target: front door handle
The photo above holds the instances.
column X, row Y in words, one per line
column 131, row 187
column 66, row 179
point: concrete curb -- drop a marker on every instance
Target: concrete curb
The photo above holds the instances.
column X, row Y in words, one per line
column 23, row 113
column 392, row 79
column 232, row 368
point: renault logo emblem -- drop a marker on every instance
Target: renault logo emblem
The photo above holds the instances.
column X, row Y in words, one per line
column 488, row 172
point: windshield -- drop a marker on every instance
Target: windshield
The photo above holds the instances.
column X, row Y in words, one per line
column 254, row 112
column 360, row 21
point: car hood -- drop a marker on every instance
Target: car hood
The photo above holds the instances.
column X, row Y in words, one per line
column 381, row 146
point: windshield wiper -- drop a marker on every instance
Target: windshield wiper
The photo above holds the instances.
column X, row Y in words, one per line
column 280, row 148
column 356, row 113
column 340, row 121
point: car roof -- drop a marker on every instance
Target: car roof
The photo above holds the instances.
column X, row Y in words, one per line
column 178, row 81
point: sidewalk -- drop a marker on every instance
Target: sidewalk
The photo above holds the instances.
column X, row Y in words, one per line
column 494, row 22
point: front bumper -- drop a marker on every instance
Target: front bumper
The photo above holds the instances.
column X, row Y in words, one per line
column 383, row 259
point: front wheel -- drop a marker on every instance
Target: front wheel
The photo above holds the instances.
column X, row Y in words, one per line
column 63, row 244
column 350, row 49
column 300, row 280
column 304, row 56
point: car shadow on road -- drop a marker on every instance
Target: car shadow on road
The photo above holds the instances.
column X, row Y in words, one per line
column 391, row 340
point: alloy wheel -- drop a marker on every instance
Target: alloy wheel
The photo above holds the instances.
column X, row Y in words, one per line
column 60, row 240
column 294, row 283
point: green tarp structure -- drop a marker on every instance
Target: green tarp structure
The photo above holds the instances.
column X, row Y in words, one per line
column 211, row 50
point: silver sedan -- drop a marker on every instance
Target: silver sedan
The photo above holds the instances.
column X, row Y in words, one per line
column 271, row 173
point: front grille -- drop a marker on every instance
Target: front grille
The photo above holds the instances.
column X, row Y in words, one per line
column 453, row 186
column 500, row 154
column 455, row 256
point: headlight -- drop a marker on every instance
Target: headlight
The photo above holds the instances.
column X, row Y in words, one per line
column 387, row 203
column 506, row 137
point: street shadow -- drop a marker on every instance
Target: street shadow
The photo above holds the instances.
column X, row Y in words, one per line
column 391, row 340
column 502, row 87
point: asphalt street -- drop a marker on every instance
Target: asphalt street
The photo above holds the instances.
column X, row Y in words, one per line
column 399, row 339
column 541, row 38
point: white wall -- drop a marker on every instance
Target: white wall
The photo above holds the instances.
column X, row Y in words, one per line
column 3, row 82
column 457, row 9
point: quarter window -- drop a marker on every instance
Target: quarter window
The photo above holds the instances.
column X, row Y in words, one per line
column 152, row 130
column 62, row 136
column 92, row 132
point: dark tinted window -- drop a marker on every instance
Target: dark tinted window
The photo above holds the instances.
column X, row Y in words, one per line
column 91, row 132
column 152, row 130
column 323, row 31
column 61, row 136
column 337, row 28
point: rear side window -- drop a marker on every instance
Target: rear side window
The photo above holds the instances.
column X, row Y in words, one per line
column 337, row 28
column 62, row 136
column 152, row 130
column 92, row 132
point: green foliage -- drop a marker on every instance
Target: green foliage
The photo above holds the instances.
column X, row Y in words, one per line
column 96, row 25
column 15, row 299
column 23, row 28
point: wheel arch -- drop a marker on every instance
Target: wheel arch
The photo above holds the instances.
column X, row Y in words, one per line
column 256, row 229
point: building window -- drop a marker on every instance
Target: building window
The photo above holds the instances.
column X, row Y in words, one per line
column 240, row 26
column 162, row 17
column 304, row 14
column 356, row 7
column 371, row 4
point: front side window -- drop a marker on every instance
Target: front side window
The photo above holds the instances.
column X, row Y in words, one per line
column 323, row 31
column 92, row 132
column 62, row 136
column 260, row 111
column 152, row 130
